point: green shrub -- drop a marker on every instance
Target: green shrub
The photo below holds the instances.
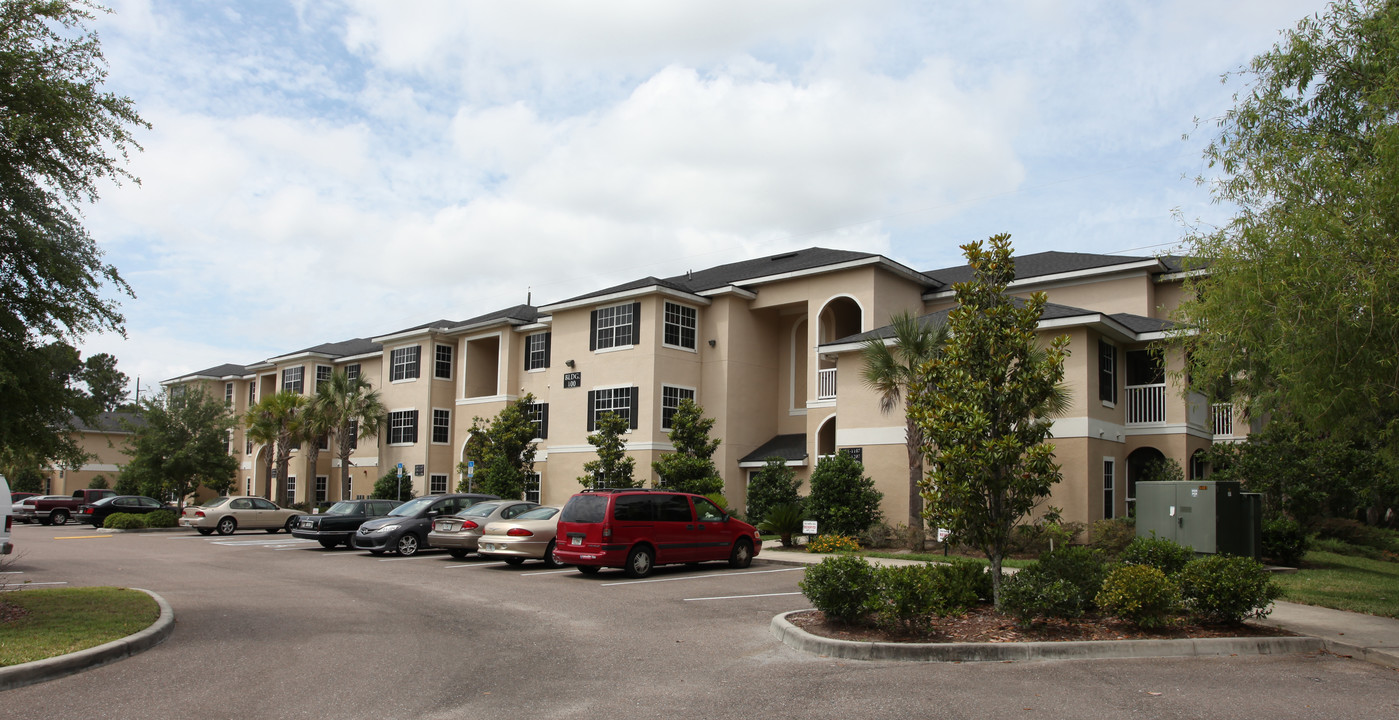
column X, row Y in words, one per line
column 1139, row 594
column 906, row 597
column 843, row 587
column 776, row 484
column 1358, row 533
column 1226, row 589
column 832, row 543
column 1036, row 538
column 161, row 519
column 1162, row 554
column 843, row 499
column 783, row 521
column 1284, row 541
column 964, row 584
column 882, row 535
column 1081, row 567
column 1028, row 595
column 1112, row 536
column 124, row 521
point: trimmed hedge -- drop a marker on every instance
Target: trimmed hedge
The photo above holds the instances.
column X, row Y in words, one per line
column 124, row 521
column 161, row 519
column 843, row 587
column 1162, row 554
column 1227, row 589
column 1139, row 594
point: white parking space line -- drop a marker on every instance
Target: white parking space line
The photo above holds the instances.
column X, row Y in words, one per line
column 740, row 597
column 413, row 557
column 32, row 584
column 261, row 543
column 548, row 572
column 701, row 577
column 475, row 565
column 12, row 572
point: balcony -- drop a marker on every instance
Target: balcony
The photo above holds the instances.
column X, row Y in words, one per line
column 1223, row 416
column 1146, row 404
column 826, row 384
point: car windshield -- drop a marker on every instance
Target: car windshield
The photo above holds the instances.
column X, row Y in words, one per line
column 539, row 513
column 215, row 502
column 479, row 510
column 412, row 507
column 343, row 508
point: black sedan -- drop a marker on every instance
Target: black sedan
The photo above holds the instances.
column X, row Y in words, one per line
column 97, row 512
column 339, row 522
column 405, row 528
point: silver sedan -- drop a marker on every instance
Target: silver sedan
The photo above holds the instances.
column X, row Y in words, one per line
column 530, row 536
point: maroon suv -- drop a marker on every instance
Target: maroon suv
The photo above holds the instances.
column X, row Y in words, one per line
column 638, row 529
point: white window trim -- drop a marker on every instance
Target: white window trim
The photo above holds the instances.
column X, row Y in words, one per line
column 1103, row 475
column 451, row 364
column 388, row 427
column 391, row 363
column 615, row 348
column 1116, row 361
column 446, row 483
column 635, row 320
column 317, row 379
column 545, row 367
column 433, row 426
column 694, row 349
column 661, row 395
column 592, row 410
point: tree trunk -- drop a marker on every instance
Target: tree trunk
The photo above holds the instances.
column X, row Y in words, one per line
column 917, row 537
column 995, row 558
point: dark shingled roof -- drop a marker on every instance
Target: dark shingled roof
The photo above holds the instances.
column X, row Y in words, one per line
column 737, row 273
column 1052, row 311
column 1052, row 262
column 523, row 313
column 110, row 422
column 791, row 448
column 219, row 371
column 344, row 348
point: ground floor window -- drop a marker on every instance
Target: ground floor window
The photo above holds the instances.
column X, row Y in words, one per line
column 437, row 484
column 291, row 489
column 532, row 487
column 321, row 482
column 1109, row 469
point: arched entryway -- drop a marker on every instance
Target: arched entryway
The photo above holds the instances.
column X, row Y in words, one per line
column 1137, row 464
column 841, row 317
column 826, row 438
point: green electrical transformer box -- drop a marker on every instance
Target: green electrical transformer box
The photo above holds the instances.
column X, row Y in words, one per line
column 1209, row 516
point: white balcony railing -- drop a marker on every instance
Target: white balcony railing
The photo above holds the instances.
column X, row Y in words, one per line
column 826, row 384
column 1146, row 404
column 1223, row 416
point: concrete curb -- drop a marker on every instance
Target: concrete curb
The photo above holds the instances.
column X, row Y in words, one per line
column 1033, row 651
column 53, row 668
column 143, row 530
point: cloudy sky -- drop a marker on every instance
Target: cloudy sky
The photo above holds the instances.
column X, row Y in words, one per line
column 319, row 171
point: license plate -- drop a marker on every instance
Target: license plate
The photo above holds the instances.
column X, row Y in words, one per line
column 576, row 541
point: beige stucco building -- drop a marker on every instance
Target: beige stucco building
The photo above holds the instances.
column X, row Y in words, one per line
column 770, row 349
column 104, row 441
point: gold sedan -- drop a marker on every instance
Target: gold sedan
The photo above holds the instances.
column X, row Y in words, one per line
column 530, row 536
column 239, row 512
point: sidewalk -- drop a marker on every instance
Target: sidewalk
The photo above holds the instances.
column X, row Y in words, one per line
column 1363, row 637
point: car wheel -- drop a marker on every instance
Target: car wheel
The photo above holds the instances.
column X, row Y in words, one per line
column 514, row 561
column 205, row 531
column 227, row 525
column 742, row 555
column 289, row 524
column 407, row 545
column 329, row 544
column 640, row 562
column 588, row 569
column 549, row 559
column 458, row 553
column 59, row 517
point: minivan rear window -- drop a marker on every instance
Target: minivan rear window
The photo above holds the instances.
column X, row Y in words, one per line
column 585, row 509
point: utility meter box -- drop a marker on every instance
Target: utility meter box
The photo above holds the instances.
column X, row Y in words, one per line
column 1209, row 516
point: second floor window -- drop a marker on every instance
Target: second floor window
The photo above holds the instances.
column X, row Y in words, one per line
column 403, row 363
column 680, row 324
column 537, row 351
column 403, row 427
column 228, row 394
column 352, row 371
column 442, row 426
column 615, row 326
column 670, row 402
column 1107, row 372
column 442, row 365
column 618, row 401
column 291, row 379
column 322, row 375
column 538, row 413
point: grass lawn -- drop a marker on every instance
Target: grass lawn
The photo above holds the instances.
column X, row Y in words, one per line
column 1344, row 582
column 57, row 622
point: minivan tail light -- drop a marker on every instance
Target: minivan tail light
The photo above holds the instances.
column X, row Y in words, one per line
column 607, row 532
column 519, row 532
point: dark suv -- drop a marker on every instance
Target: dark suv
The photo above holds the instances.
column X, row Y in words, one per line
column 404, row 530
column 638, row 529
column 340, row 521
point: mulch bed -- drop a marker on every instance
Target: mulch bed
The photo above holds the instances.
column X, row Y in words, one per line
column 985, row 625
column 10, row 612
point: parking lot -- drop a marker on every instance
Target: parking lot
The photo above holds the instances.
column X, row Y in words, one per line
column 271, row 626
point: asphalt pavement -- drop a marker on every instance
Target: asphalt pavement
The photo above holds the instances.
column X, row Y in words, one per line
column 270, row 627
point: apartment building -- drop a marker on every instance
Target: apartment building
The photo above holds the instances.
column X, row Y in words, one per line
column 770, row 349
column 104, row 440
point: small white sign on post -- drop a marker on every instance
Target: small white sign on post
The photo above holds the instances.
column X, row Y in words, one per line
column 943, row 534
column 808, row 527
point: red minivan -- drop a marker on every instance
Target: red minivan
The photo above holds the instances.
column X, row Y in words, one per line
column 637, row 529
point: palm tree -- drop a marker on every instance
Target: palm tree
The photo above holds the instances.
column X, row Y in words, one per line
column 315, row 425
column 279, row 415
column 353, row 411
column 263, row 431
column 891, row 369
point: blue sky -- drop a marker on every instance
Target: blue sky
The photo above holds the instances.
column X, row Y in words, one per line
column 318, row 171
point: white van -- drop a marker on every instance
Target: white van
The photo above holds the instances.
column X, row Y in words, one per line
column 5, row 546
